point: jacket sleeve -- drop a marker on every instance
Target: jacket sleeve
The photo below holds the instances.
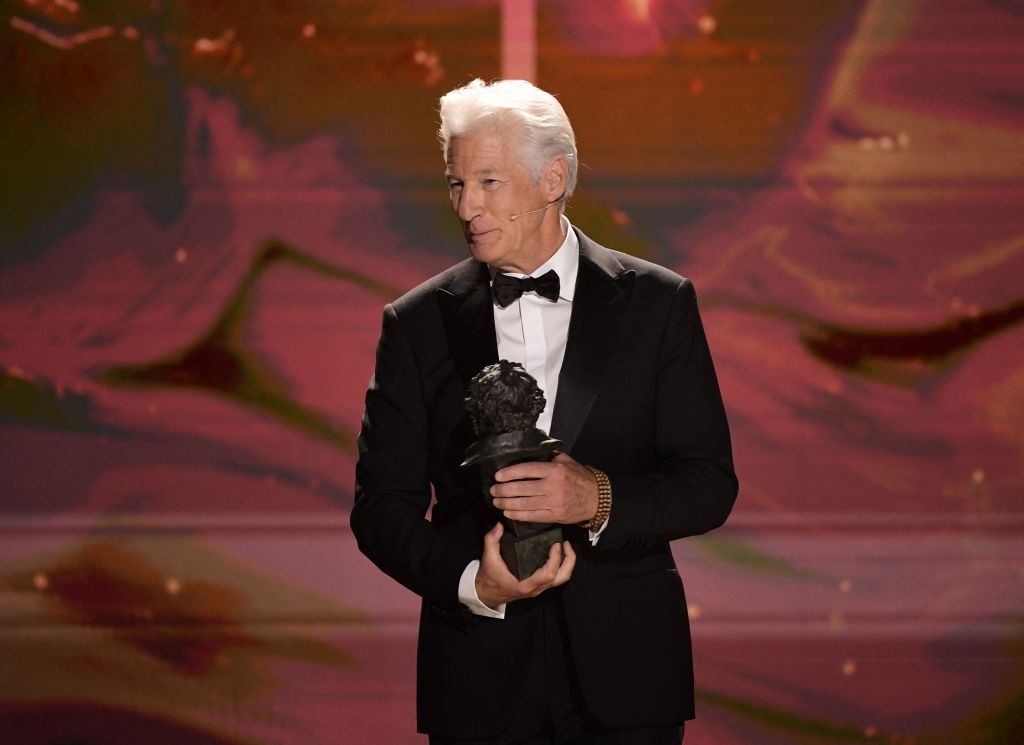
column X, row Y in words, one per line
column 693, row 485
column 392, row 492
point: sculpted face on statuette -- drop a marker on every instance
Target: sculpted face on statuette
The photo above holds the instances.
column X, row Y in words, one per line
column 503, row 398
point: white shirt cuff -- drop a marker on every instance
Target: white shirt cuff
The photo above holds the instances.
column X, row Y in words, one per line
column 468, row 596
column 595, row 535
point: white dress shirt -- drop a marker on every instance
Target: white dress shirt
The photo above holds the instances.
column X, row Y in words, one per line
column 533, row 331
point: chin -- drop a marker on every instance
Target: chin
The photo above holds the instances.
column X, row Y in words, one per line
column 485, row 254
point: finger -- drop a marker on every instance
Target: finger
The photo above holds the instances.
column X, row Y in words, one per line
column 551, row 565
column 526, row 488
column 543, row 577
column 568, row 564
column 491, row 539
column 492, row 567
column 520, row 503
column 530, row 516
column 530, row 470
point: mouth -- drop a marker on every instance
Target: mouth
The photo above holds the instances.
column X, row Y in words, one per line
column 475, row 236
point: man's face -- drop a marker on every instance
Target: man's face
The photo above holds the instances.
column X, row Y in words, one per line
column 487, row 185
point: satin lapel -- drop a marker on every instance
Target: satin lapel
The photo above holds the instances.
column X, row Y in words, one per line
column 467, row 311
column 603, row 290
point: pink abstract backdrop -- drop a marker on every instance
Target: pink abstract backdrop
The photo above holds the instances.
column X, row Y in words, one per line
column 206, row 205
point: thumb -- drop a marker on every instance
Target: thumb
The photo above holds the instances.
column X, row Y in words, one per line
column 493, row 536
column 561, row 457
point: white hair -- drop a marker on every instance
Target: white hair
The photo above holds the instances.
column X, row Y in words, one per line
column 517, row 108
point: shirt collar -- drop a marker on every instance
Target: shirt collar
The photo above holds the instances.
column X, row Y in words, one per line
column 565, row 261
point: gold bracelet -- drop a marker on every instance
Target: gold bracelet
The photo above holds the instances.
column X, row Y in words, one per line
column 604, row 499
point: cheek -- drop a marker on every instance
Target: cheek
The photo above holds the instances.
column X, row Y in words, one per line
column 453, row 201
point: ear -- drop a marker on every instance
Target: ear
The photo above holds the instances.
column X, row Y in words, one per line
column 555, row 177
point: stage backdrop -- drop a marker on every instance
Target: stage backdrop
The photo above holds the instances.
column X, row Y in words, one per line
column 207, row 204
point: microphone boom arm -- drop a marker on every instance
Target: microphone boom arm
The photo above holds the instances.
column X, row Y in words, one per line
column 513, row 218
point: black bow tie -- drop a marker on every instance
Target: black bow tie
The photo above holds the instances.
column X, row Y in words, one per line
column 507, row 288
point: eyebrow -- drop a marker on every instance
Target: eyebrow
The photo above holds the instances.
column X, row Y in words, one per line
column 487, row 171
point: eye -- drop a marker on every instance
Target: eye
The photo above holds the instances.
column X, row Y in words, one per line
column 491, row 183
column 454, row 186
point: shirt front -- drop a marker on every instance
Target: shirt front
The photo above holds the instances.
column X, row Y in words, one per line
column 533, row 331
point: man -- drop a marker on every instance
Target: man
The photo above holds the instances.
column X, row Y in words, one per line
column 594, row 647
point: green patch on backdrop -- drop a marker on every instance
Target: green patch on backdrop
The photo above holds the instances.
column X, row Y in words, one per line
column 793, row 724
column 27, row 400
column 221, row 363
column 743, row 556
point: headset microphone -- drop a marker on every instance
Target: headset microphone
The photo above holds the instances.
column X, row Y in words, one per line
column 513, row 218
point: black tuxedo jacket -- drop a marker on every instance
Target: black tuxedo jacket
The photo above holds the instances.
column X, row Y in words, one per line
column 637, row 398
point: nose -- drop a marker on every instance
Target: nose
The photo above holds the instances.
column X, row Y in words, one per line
column 467, row 203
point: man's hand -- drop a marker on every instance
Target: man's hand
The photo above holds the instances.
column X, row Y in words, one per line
column 560, row 491
column 495, row 584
